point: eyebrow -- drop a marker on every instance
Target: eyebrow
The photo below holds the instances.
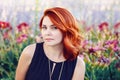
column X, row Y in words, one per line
column 50, row 25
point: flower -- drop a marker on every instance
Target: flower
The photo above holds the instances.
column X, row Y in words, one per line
column 103, row 59
column 21, row 26
column 117, row 25
column 113, row 44
column 117, row 65
column 103, row 26
column 4, row 25
column 22, row 38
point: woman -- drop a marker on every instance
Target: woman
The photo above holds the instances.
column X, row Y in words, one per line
column 57, row 57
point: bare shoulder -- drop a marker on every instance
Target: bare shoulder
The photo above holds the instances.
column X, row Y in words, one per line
column 25, row 58
column 80, row 62
column 29, row 50
column 79, row 72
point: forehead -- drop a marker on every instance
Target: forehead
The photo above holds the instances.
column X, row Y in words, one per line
column 47, row 21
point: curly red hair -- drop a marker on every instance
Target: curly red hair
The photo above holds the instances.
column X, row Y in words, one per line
column 64, row 20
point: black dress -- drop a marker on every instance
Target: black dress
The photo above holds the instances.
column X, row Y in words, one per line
column 39, row 67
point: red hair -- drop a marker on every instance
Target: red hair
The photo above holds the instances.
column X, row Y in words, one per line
column 64, row 20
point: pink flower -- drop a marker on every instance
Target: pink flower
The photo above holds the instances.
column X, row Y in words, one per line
column 20, row 26
column 103, row 59
column 19, row 40
column 95, row 49
column 116, row 49
column 117, row 65
column 22, row 38
column 103, row 26
column 84, row 43
column 117, row 25
column 4, row 25
column 113, row 44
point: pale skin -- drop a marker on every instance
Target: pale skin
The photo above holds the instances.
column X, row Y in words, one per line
column 51, row 44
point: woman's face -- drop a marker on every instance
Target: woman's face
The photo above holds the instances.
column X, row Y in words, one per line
column 50, row 33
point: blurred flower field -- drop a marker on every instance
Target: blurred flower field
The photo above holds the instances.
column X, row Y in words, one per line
column 100, row 49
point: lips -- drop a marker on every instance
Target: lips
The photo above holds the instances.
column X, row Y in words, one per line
column 48, row 39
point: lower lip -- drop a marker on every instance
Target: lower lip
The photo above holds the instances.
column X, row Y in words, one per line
column 48, row 40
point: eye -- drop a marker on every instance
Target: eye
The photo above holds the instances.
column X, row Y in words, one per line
column 44, row 27
column 54, row 27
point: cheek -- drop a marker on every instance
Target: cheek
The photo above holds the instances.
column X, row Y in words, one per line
column 42, row 34
column 59, row 36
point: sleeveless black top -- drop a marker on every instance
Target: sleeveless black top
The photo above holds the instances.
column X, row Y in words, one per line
column 39, row 67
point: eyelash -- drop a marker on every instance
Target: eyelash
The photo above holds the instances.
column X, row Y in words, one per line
column 44, row 27
column 53, row 27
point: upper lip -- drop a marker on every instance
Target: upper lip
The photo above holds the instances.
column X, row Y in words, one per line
column 48, row 39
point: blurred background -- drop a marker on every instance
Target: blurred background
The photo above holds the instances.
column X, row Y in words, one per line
column 90, row 11
column 99, row 22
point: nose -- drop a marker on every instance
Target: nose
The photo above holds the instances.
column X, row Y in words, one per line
column 48, row 32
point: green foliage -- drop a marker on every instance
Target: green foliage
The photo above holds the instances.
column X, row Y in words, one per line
column 9, row 56
column 101, row 55
column 97, row 72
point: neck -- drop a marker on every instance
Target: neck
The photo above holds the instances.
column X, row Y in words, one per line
column 54, row 53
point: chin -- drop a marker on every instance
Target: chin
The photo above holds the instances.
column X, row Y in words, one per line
column 51, row 43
